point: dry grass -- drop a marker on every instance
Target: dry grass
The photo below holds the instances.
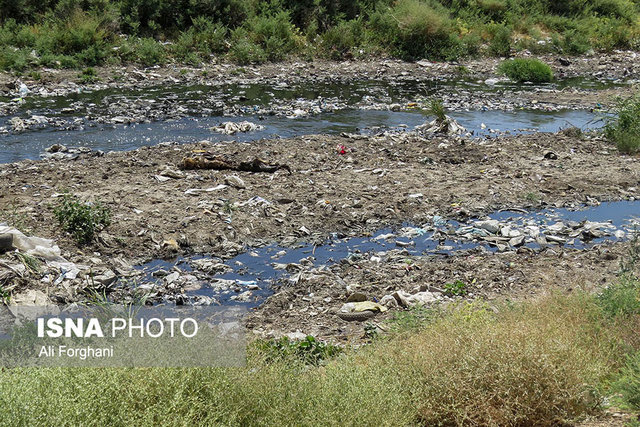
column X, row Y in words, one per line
column 537, row 363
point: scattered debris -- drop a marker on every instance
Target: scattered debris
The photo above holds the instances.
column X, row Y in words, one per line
column 231, row 128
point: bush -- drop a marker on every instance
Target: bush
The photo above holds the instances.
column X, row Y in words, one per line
column 500, row 44
column 244, row 51
column 204, row 37
column 415, row 30
column 274, row 34
column 526, row 70
column 82, row 220
column 624, row 129
column 337, row 42
column 149, row 52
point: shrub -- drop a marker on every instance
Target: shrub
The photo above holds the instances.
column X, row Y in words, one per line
column 88, row 75
column 624, row 129
column 274, row 34
column 416, row 29
column 500, row 44
column 337, row 42
column 575, row 42
column 244, row 51
column 149, row 52
column 526, row 70
column 82, row 220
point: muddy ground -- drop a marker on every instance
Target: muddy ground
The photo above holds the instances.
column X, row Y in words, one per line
column 345, row 185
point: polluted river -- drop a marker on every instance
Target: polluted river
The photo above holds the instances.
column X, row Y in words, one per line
column 302, row 201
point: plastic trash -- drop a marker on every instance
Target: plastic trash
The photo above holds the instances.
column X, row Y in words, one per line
column 34, row 246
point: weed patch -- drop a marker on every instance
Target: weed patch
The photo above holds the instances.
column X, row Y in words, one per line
column 526, row 70
column 82, row 220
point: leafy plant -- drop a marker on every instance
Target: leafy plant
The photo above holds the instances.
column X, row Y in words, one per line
column 82, row 220
column 29, row 261
column 457, row 288
column 309, row 350
column 526, row 70
column 5, row 296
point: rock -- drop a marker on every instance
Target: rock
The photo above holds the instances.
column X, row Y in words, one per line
column 516, row 241
column 243, row 297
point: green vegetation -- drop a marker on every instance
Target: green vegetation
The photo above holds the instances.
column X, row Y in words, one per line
column 436, row 108
column 544, row 362
column 624, row 129
column 83, row 220
column 88, row 75
column 526, row 70
column 309, row 351
column 457, row 288
column 80, row 34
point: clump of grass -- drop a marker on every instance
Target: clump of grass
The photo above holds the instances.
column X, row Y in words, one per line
column 82, row 220
column 624, row 129
column 88, row 75
column 572, row 132
column 436, row 108
column 526, row 70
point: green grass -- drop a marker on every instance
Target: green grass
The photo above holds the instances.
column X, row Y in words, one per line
column 624, row 129
column 526, row 70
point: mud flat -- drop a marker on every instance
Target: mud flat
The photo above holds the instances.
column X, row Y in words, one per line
column 312, row 188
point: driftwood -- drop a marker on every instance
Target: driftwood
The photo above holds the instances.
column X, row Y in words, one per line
column 220, row 163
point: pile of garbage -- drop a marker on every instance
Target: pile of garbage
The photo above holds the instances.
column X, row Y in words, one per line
column 231, row 128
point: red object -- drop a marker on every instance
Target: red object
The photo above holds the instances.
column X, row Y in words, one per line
column 342, row 149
